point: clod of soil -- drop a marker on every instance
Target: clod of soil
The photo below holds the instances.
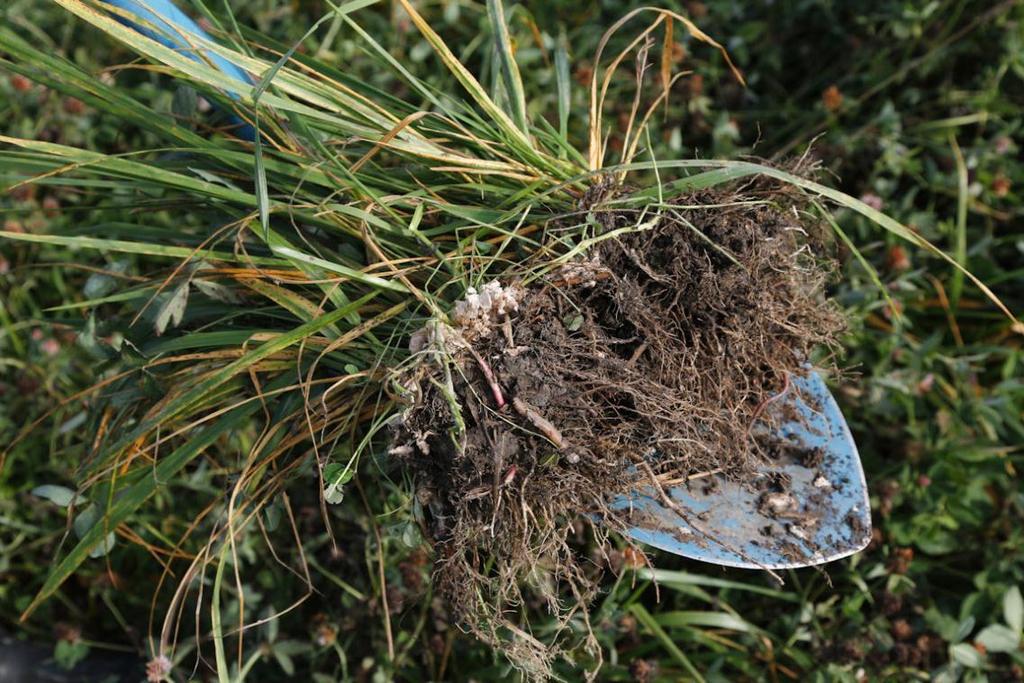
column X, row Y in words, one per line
column 653, row 358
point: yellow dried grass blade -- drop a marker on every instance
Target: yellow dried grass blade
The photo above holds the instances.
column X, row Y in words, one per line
column 596, row 147
column 467, row 79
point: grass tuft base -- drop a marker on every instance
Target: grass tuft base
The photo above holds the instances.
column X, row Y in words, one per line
column 653, row 357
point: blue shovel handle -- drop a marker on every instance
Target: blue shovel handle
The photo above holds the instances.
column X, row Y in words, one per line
column 162, row 21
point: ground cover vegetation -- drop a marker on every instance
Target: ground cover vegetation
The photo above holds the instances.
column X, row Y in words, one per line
column 268, row 377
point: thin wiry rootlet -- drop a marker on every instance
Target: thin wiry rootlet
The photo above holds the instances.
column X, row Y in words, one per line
column 652, row 359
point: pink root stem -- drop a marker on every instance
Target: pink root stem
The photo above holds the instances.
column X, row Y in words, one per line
column 768, row 401
column 492, row 381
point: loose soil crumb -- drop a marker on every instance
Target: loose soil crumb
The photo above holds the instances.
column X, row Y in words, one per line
column 654, row 357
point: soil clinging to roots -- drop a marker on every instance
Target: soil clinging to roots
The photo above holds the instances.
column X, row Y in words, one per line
column 649, row 360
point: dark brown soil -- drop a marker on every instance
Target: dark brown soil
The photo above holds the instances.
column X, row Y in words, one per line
column 654, row 358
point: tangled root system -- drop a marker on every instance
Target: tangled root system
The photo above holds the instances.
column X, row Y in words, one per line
column 652, row 358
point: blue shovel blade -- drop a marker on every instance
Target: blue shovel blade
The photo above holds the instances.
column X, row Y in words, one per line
column 821, row 515
column 162, row 21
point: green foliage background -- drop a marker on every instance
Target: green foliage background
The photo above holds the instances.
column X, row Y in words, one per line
column 912, row 106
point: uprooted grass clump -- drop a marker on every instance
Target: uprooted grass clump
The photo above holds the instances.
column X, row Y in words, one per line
column 648, row 360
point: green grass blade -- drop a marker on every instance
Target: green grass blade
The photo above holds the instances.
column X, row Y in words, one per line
column 223, row 675
column 201, row 391
column 705, row 618
column 262, row 195
column 864, row 263
column 468, row 81
column 563, row 82
column 670, row 578
column 120, row 167
column 648, row 622
column 956, row 286
column 141, row 248
column 131, row 498
column 509, row 69
column 372, row 280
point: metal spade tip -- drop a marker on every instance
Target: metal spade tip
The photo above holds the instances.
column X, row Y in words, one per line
column 807, row 507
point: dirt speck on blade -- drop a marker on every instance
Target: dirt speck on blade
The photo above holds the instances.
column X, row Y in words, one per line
column 655, row 355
